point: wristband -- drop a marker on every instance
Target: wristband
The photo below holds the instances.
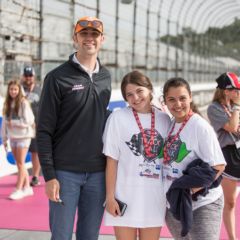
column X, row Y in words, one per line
column 236, row 104
column 236, row 107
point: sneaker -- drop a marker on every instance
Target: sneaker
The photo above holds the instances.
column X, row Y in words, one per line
column 28, row 191
column 17, row 194
column 35, row 182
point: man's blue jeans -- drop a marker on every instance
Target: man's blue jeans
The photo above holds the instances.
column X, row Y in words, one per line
column 85, row 191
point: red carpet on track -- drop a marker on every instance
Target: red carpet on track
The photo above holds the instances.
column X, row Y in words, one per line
column 31, row 213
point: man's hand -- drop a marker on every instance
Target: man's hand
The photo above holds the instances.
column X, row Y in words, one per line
column 52, row 189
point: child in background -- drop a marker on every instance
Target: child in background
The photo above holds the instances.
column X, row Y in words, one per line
column 17, row 126
column 223, row 114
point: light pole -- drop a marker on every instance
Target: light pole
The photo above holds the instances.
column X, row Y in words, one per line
column 185, row 64
column 98, row 8
column 134, row 33
column 147, row 34
column 116, row 39
column 177, row 34
column 168, row 38
column 194, row 42
column 158, row 40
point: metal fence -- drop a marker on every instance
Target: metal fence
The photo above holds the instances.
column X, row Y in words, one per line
column 39, row 32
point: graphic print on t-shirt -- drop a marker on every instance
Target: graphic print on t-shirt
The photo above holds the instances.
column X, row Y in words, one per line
column 177, row 151
column 150, row 167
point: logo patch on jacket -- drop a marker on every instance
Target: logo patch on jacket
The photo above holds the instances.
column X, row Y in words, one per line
column 77, row 87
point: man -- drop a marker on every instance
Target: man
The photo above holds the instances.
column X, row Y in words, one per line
column 32, row 92
column 73, row 111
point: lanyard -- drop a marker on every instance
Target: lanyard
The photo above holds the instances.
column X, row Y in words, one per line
column 226, row 110
column 147, row 145
column 168, row 143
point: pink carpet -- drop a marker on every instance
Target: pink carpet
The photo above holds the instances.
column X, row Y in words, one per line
column 31, row 213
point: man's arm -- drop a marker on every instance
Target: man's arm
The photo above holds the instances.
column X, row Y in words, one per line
column 49, row 109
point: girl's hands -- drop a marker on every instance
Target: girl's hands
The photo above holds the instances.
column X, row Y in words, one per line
column 194, row 190
column 112, row 207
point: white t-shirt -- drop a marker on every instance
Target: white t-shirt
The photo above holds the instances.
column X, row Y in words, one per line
column 139, row 178
column 197, row 140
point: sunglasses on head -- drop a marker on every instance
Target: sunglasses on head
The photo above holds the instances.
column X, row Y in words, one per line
column 86, row 23
column 94, row 34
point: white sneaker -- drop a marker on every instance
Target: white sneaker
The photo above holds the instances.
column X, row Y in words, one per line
column 17, row 194
column 28, row 191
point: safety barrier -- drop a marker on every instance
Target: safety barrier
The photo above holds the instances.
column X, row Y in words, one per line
column 202, row 95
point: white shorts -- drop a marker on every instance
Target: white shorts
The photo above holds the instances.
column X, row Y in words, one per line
column 20, row 143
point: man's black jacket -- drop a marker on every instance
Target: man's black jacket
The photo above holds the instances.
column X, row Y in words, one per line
column 72, row 116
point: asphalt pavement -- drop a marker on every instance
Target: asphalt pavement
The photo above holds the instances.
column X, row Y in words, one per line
column 6, row 234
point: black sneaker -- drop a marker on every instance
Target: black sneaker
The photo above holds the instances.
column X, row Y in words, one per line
column 35, row 182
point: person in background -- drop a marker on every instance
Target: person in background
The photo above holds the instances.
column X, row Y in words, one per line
column 133, row 138
column 192, row 138
column 223, row 114
column 32, row 93
column 18, row 120
column 72, row 115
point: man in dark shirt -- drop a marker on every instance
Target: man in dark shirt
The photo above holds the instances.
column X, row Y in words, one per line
column 32, row 93
column 72, row 115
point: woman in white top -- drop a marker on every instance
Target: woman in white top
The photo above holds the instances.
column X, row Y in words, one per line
column 17, row 126
column 191, row 137
column 133, row 138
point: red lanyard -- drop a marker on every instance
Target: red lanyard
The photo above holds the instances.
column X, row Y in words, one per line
column 226, row 110
column 168, row 143
column 147, row 145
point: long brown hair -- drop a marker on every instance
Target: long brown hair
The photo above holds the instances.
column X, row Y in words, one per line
column 179, row 82
column 219, row 95
column 8, row 100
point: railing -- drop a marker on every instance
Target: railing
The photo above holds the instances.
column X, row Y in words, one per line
column 202, row 96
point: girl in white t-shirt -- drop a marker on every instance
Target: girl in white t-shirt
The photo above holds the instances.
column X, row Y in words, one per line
column 191, row 137
column 133, row 138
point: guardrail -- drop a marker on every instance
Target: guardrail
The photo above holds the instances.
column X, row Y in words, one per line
column 203, row 93
column 202, row 96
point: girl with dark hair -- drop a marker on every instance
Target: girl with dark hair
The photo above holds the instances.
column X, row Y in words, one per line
column 17, row 126
column 133, row 138
column 223, row 114
column 191, row 140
